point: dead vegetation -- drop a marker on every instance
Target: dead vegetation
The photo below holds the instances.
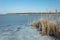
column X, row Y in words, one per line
column 48, row 27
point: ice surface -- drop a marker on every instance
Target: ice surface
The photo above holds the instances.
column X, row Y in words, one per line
column 22, row 32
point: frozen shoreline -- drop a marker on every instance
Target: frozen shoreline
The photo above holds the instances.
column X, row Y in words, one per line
column 22, row 33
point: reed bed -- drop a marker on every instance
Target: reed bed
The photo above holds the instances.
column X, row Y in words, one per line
column 48, row 27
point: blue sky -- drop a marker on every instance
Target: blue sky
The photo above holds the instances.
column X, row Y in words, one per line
column 16, row 6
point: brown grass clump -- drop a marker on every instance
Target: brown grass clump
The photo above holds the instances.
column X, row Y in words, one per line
column 58, row 28
column 48, row 27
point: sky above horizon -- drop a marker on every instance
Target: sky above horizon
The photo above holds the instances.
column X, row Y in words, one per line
column 17, row 6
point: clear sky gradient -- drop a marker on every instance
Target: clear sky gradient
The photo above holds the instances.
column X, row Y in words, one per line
column 17, row 6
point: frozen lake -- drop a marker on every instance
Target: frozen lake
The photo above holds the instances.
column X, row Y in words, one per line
column 22, row 32
column 13, row 27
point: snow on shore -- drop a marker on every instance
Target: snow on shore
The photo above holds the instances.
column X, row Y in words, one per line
column 22, row 33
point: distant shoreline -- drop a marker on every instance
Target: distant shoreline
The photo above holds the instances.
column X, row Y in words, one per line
column 53, row 13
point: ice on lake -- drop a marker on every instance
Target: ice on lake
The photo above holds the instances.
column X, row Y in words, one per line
column 22, row 32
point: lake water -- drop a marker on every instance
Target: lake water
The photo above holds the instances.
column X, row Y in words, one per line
column 14, row 27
